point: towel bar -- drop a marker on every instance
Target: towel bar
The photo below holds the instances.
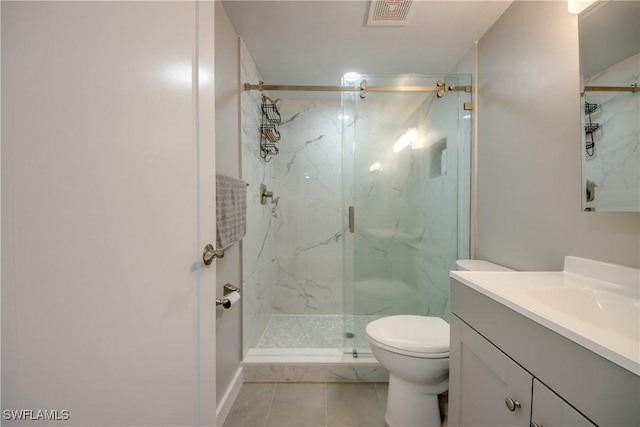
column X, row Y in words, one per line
column 210, row 253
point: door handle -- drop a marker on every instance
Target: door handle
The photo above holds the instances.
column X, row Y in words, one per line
column 352, row 219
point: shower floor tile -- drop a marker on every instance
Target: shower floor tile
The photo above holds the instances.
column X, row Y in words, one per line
column 316, row 331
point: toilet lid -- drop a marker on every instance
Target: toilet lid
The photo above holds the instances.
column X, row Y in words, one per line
column 416, row 334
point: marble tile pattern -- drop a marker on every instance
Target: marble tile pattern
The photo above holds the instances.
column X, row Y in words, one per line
column 315, row 372
column 309, row 224
column 300, row 258
column 439, row 201
column 258, row 272
column 407, row 208
column 615, row 166
column 387, row 209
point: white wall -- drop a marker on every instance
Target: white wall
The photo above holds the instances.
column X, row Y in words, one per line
column 529, row 214
column 228, row 322
column 107, row 170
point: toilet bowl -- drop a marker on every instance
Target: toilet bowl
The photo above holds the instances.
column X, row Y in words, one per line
column 415, row 351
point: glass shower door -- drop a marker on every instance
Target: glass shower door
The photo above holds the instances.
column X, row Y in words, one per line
column 404, row 160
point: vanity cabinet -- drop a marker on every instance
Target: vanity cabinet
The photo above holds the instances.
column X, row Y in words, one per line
column 484, row 379
column 550, row 410
column 488, row 388
column 499, row 354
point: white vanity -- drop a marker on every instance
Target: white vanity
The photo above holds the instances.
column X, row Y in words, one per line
column 546, row 348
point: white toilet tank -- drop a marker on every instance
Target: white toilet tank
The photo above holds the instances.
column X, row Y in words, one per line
column 479, row 265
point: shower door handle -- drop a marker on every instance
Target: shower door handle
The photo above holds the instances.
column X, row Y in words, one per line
column 352, row 219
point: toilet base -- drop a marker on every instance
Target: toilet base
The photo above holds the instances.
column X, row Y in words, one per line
column 413, row 405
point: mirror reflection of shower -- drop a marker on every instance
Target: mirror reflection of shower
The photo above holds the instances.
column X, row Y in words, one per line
column 310, row 283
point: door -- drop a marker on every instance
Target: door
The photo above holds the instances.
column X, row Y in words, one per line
column 486, row 387
column 107, row 202
column 403, row 164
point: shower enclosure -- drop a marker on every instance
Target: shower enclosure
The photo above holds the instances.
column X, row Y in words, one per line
column 406, row 175
column 370, row 210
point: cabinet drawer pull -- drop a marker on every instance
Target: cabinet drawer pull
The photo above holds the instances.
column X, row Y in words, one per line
column 512, row 405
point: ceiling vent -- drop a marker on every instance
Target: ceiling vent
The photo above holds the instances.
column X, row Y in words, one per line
column 389, row 12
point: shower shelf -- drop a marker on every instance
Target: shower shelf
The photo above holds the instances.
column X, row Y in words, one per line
column 269, row 150
column 591, row 127
column 269, row 134
column 590, row 108
column 271, row 113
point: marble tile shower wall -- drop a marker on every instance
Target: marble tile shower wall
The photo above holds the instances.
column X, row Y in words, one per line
column 386, row 187
column 407, row 207
column 309, row 225
column 616, row 159
column 441, row 206
column 407, row 211
column 258, row 274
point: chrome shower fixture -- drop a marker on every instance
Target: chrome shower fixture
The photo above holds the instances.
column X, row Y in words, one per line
column 264, row 194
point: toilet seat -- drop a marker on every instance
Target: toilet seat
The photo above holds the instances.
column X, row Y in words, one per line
column 411, row 335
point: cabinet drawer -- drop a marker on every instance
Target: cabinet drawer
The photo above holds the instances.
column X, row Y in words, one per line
column 550, row 410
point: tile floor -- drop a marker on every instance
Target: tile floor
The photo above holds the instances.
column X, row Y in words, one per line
column 309, row 405
column 317, row 331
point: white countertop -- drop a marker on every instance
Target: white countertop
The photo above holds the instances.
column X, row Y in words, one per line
column 606, row 321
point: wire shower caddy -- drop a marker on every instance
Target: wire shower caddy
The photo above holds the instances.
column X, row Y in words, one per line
column 269, row 134
column 590, row 128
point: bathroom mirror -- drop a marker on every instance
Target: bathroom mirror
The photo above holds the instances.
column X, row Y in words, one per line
column 610, row 71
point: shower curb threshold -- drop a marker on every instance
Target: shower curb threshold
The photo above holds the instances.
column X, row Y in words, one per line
column 310, row 365
column 306, row 355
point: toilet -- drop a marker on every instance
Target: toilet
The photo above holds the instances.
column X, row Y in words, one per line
column 415, row 351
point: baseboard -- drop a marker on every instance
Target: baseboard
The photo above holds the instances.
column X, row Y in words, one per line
column 230, row 395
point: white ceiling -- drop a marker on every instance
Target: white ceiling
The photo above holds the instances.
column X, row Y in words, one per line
column 316, row 42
